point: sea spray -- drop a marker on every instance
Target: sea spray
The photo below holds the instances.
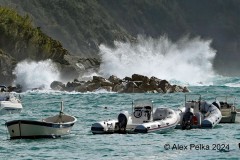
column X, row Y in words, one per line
column 187, row 60
column 31, row 74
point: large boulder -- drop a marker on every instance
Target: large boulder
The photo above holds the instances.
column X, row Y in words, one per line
column 147, row 87
column 56, row 85
column 106, row 83
column 98, row 79
column 93, row 86
column 114, row 79
column 132, row 87
column 164, row 85
column 81, row 88
column 118, row 88
column 127, row 79
column 138, row 77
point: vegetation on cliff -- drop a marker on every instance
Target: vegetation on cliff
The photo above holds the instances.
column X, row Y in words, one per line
column 23, row 41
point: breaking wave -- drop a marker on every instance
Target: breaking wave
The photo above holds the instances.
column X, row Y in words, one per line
column 30, row 74
column 187, row 60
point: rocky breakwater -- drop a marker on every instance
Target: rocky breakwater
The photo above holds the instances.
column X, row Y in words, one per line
column 134, row 84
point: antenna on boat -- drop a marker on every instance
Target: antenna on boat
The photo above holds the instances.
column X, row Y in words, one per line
column 61, row 111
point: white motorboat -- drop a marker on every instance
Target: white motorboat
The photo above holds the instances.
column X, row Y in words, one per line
column 8, row 102
column 51, row 127
column 228, row 109
column 142, row 120
column 198, row 114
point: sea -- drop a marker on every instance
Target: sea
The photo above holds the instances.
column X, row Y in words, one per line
column 176, row 62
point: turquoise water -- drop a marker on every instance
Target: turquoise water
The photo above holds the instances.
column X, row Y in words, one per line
column 89, row 108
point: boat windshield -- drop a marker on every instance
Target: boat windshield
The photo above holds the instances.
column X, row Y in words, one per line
column 142, row 104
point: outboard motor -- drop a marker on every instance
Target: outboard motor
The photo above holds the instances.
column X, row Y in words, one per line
column 187, row 119
column 122, row 121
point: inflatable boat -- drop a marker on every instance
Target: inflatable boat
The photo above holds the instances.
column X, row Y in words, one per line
column 198, row 114
column 143, row 119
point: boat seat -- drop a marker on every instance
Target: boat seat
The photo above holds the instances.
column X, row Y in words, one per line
column 160, row 114
column 226, row 112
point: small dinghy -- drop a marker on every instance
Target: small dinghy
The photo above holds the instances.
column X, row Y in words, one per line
column 142, row 120
column 228, row 109
column 51, row 127
column 198, row 114
column 8, row 102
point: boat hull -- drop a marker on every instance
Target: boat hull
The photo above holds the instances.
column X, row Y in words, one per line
column 37, row 129
column 228, row 115
column 147, row 128
column 229, row 119
column 8, row 107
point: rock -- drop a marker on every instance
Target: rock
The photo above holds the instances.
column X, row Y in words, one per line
column 138, row 77
column 93, row 86
column 154, row 80
column 81, row 88
column 131, row 87
column 56, row 85
column 114, row 79
column 185, row 89
column 106, row 83
column 118, row 88
column 133, row 90
column 17, row 88
column 164, row 85
column 127, row 79
column 147, row 87
column 98, row 79
column 141, row 84
column 107, row 88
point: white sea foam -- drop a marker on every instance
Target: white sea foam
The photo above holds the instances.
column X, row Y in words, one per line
column 30, row 74
column 187, row 60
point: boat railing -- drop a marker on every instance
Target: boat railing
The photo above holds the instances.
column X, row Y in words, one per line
column 230, row 100
column 197, row 97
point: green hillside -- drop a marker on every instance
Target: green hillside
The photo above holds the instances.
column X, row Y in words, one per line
column 21, row 40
